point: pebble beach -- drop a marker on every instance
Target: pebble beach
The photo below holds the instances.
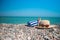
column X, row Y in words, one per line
column 22, row 32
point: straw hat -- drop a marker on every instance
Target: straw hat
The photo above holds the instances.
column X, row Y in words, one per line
column 45, row 22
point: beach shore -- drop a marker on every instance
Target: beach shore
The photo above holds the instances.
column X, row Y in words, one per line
column 23, row 32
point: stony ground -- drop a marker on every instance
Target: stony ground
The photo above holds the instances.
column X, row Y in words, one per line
column 22, row 32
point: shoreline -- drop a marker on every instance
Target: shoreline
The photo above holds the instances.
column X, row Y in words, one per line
column 26, row 24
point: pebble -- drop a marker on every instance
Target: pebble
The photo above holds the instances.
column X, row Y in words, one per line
column 22, row 32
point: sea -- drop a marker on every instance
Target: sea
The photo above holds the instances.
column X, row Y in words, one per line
column 24, row 20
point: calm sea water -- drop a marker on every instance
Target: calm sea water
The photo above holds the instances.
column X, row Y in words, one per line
column 21, row 20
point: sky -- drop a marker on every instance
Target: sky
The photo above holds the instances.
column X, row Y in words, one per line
column 50, row 8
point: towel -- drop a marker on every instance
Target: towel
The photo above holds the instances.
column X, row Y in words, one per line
column 32, row 23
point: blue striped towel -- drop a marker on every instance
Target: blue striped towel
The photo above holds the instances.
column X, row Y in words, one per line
column 32, row 23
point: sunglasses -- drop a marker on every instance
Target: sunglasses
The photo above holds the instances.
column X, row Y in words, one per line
column 44, row 25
